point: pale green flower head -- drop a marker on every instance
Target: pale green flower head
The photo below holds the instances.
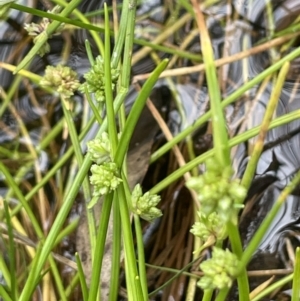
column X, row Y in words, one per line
column 99, row 149
column 145, row 205
column 217, row 192
column 104, row 178
column 237, row 192
column 209, row 226
column 95, row 79
column 62, row 79
column 220, row 270
column 37, row 30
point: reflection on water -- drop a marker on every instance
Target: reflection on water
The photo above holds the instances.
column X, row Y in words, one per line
column 233, row 28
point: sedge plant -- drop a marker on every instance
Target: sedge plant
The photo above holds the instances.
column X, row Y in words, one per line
column 105, row 87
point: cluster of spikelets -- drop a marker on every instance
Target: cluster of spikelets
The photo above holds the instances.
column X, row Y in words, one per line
column 95, row 80
column 38, row 29
column 220, row 198
column 105, row 176
column 217, row 192
column 105, row 179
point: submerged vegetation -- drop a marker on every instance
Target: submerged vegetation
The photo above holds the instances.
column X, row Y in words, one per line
column 187, row 209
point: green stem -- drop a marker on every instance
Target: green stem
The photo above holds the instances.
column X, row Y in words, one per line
column 258, row 236
column 220, row 136
column 43, row 37
column 132, row 274
column 84, row 289
column 84, row 24
column 222, row 294
column 112, row 129
column 116, row 251
column 136, row 111
column 236, row 244
column 4, row 294
column 72, row 285
column 11, row 253
column 258, row 148
column 11, row 183
column 141, row 255
column 177, row 274
column 296, row 278
column 228, row 100
column 207, row 295
column 54, row 169
column 5, row 271
column 273, row 287
column 93, row 33
column 79, row 158
column 100, row 247
column 234, row 141
column 117, row 51
column 61, row 19
column 57, row 278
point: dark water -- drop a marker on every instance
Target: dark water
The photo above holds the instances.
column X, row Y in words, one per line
column 247, row 25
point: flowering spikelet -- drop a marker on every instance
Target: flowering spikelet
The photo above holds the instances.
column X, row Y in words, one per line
column 210, row 226
column 104, row 178
column 61, row 78
column 95, row 79
column 219, row 271
column 99, row 149
column 217, row 192
column 37, row 30
column 144, row 204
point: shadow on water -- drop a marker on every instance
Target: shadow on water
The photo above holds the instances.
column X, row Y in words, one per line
column 233, row 28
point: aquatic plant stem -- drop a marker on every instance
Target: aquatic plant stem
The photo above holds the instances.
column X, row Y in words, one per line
column 11, row 183
column 116, row 252
column 274, row 287
column 259, row 234
column 5, row 272
column 4, row 294
column 228, row 100
column 64, row 210
column 73, row 283
column 220, row 136
column 107, row 204
column 84, row 24
column 51, row 16
column 112, row 128
column 232, row 142
column 177, row 274
column 43, row 37
column 207, row 295
column 136, row 111
column 79, row 158
column 141, row 255
column 222, row 294
column 191, row 289
column 237, row 248
column 112, row 131
column 11, row 254
column 159, row 39
column 296, row 278
column 119, row 158
column 99, row 247
column 259, row 144
column 132, row 280
column 84, row 289
column 93, row 33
